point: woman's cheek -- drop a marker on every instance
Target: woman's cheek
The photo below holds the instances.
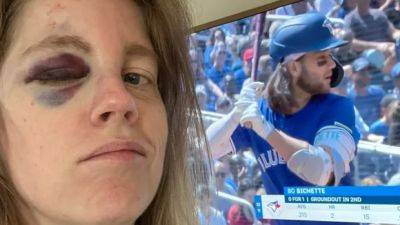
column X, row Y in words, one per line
column 56, row 98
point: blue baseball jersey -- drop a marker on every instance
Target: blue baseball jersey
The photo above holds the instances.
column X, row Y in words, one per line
column 322, row 110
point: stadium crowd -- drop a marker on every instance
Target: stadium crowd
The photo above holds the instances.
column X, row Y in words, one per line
column 222, row 59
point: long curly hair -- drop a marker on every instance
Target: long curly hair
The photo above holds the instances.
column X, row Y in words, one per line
column 279, row 91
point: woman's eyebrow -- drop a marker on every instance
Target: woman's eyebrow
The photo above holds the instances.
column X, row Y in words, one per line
column 57, row 41
column 135, row 49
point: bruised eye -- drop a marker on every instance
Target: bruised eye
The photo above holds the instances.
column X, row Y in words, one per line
column 135, row 79
column 58, row 70
column 59, row 76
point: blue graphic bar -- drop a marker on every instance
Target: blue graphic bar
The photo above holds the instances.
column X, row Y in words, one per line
column 258, row 207
column 372, row 200
column 390, row 191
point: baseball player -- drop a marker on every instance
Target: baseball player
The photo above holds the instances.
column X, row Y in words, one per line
column 301, row 134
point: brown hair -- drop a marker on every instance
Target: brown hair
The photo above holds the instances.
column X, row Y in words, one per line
column 279, row 91
column 167, row 23
column 9, row 198
column 168, row 27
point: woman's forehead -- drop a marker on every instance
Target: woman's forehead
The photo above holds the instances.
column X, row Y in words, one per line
column 105, row 21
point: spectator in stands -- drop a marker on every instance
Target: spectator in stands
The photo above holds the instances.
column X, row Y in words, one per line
column 208, row 215
column 395, row 74
column 224, row 105
column 265, row 68
column 238, row 167
column 371, row 180
column 371, row 29
column 342, row 89
column 245, row 72
column 218, row 71
column 206, row 89
column 379, row 67
column 345, row 8
column 328, row 7
column 366, row 97
column 296, row 8
column 230, row 178
column 394, row 180
column 233, row 47
column 381, row 126
column 217, row 35
column 394, row 17
column 344, row 85
column 257, row 180
column 394, row 128
column 345, row 54
column 241, row 214
column 201, row 95
column 376, row 4
column 221, row 172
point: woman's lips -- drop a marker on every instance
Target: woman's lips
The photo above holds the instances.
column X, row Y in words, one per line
column 116, row 155
column 121, row 151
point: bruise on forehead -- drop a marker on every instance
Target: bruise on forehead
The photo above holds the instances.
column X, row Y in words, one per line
column 54, row 8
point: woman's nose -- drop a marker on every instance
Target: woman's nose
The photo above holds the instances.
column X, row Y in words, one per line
column 113, row 103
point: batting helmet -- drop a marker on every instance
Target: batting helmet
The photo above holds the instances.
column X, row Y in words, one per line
column 310, row 32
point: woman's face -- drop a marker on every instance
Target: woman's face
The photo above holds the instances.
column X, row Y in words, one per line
column 86, row 125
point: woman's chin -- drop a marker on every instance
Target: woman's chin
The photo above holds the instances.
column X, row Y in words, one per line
column 116, row 205
column 113, row 212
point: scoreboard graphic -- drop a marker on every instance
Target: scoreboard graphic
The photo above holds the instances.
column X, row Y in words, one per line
column 380, row 204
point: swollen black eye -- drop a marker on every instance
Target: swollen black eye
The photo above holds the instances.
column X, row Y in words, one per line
column 58, row 69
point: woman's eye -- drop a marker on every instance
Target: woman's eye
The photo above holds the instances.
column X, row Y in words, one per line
column 58, row 76
column 135, row 79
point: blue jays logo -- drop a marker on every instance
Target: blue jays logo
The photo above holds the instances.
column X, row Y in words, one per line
column 328, row 24
column 274, row 206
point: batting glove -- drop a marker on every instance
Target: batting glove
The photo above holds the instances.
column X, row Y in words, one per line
column 249, row 94
column 253, row 115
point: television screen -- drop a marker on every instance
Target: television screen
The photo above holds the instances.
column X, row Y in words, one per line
column 317, row 140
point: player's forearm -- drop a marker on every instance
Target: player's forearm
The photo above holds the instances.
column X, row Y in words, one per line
column 284, row 144
column 219, row 133
column 311, row 163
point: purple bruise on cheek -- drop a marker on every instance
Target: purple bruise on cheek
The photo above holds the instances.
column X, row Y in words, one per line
column 61, row 68
column 58, row 97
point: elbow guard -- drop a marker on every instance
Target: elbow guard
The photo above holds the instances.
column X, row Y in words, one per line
column 312, row 164
column 339, row 143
